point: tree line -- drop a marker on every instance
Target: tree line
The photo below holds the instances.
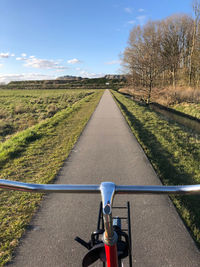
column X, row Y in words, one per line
column 165, row 53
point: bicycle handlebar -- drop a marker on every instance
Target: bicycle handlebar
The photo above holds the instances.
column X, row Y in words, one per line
column 107, row 190
column 119, row 189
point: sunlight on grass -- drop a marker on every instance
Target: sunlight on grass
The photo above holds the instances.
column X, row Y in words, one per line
column 173, row 151
column 188, row 108
column 35, row 155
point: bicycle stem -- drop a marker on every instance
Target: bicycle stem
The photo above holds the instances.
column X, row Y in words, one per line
column 107, row 193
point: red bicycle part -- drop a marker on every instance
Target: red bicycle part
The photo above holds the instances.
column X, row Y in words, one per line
column 111, row 255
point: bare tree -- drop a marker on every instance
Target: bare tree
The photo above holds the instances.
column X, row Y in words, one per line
column 163, row 53
column 175, row 38
column 196, row 9
column 143, row 56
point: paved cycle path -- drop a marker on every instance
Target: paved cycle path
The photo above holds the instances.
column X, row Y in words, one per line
column 106, row 151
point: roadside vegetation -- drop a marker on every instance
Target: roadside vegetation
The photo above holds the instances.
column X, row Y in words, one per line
column 162, row 61
column 20, row 109
column 186, row 100
column 188, row 108
column 35, row 155
column 173, row 151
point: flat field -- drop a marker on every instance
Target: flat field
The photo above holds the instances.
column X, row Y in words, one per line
column 36, row 154
column 20, row 109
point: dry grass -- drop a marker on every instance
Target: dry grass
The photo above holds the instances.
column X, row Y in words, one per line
column 20, row 108
column 139, row 94
column 170, row 96
column 165, row 96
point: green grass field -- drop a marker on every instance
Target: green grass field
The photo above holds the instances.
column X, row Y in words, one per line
column 20, row 109
column 174, row 153
column 35, row 155
column 188, row 108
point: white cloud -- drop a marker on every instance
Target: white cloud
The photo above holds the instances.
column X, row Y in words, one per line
column 1, row 65
column 5, row 78
column 5, row 55
column 113, row 62
column 131, row 22
column 23, row 55
column 141, row 19
column 42, row 64
column 86, row 74
column 39, row 63
column 73, row 61
column 128, row 10
column 141, row 10
column 20, row 58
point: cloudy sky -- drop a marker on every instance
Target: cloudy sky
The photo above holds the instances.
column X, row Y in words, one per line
column 44, row 39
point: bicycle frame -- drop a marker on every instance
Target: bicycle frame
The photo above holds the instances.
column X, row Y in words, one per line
column 108, row 191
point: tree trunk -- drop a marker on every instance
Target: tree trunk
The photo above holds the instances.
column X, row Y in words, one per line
column 149, row 95
column 196, row 8
column 173, row 79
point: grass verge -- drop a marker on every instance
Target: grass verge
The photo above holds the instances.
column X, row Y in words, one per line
column 35, row 156
column 188, row 108
column 174, row 153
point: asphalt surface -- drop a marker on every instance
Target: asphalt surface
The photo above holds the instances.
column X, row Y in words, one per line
column 106, row 151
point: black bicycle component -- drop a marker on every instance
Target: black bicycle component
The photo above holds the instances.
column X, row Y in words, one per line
column 125, row 232
column 129, row 234
column 96, row 245
column 95, row 237
column 94, row 254
column 83, row 243
column 122, row 245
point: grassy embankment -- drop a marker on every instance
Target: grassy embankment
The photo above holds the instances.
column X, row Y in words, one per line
column 183, row 99
column 174, row 153
column 188, row 108
column 35, row 155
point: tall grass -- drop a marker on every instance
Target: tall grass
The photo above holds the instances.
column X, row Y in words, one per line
column 166, row 96
column 171, row 96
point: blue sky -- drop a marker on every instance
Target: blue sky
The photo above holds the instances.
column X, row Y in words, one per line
column 43, row 39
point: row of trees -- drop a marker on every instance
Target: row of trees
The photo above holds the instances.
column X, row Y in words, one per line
column 165, row 53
